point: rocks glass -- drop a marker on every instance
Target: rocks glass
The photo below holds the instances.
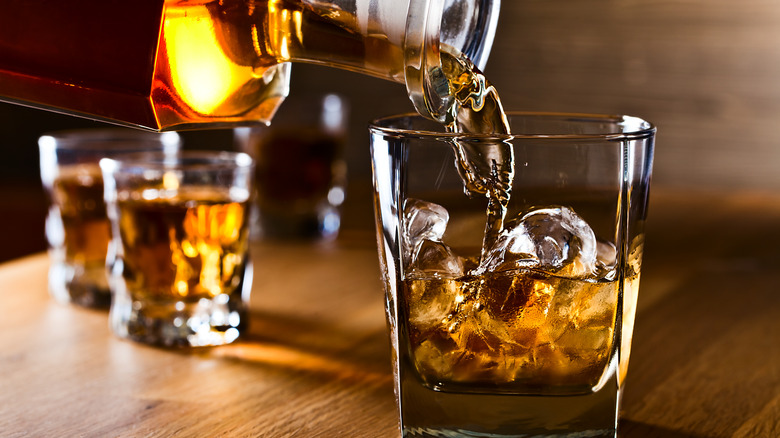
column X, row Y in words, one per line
column 180, row 269
column 511, row 303
column 77, row 228
column 300, row 168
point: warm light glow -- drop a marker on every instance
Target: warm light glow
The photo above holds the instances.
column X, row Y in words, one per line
column 290, row 358
column 298, row 23
column 256, row 41
column 170, row 181
column 208, row 229
column 201, row 73
column 281, row 25
column 283, row 49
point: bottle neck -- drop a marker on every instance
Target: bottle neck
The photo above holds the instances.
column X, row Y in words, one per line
column 460, row 28
column 398, row 40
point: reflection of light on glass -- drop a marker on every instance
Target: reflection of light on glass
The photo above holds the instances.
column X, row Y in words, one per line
column 170, row 181
column 170, row 141
column 150, row 194
column 333, row 113
column 231, row 334
column 330, row 224
column 256, row 41
column 201, row 73
column 234, row 319
column 336, row 196
column 283, row 49
column 48, row 146
column 280, row 32
column 298, row 23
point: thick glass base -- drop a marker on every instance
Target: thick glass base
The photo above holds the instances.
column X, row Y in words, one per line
column 204, row 323
column 80, row 285
column 428, row 413
column 181, row 322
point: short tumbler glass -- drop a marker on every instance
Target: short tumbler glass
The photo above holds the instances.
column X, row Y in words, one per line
column 300, row 168
column 511, row 308
column 77, row 228
column 180, row 267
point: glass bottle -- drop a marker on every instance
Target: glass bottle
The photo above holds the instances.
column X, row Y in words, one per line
column 179, row 64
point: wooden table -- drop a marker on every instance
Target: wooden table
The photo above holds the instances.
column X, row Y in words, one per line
column 705, row 362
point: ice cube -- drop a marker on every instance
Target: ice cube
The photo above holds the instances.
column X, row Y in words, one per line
column 554, row 239
column 606, row 259
column 513, row 249
column 564, row 243
column 423, row 220
column 432, row 303
column 435, row 260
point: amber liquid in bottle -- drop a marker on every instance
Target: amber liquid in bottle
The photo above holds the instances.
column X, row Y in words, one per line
column 175, row 64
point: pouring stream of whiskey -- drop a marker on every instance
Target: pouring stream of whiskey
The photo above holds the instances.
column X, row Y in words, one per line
column 487, row 165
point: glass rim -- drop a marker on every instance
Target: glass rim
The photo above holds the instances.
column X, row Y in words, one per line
column 643, row 130
column 106, row 138
column 207, row 161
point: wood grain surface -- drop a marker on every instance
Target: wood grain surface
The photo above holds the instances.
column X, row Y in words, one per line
column 705, row 362
column 705, row 71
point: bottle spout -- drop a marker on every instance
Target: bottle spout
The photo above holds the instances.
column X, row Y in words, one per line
column 461, row 28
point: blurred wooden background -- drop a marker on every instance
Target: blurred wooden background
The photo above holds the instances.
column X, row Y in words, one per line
column 706, row 72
